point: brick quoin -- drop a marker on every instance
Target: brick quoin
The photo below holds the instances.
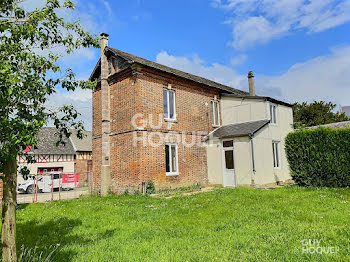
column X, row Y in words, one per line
column 141, row 91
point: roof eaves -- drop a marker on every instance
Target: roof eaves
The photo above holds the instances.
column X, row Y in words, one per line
column 95, row 68
column 266, row 98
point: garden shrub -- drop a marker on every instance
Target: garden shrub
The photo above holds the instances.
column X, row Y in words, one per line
column 319, row 157
column 150, row 188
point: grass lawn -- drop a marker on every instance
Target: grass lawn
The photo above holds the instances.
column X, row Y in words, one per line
column 224, row 225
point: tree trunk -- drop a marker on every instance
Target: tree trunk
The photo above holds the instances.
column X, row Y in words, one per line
column 9, row 203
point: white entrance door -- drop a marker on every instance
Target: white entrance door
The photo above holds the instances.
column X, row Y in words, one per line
column 229, row 164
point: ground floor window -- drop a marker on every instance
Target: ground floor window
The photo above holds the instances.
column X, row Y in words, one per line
column 276, row 154
column 171, row 159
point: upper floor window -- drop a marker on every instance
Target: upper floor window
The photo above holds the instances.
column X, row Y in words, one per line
column 273, row 113
column 216, row 115
column 169, row 104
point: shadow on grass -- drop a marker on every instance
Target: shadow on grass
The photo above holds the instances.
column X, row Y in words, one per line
column 53, row 236
column 21, row 206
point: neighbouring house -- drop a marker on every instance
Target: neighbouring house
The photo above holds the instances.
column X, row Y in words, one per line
column 73, row 157
column 345, row 109
column 153, row 122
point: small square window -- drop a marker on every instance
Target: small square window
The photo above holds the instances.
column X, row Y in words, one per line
column 228, row 143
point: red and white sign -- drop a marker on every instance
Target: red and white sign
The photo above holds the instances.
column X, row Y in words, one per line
column 70, row 179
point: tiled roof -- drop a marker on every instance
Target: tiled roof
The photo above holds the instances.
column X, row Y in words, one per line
column 135, row 59
column 239, row 129
column 47, row 142
column 84, row 144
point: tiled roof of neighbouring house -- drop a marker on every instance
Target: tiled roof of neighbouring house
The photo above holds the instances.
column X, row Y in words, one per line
column 131, row 59
column 345, row 124
column 47, row 142
column 239, row 129
column 84, row 144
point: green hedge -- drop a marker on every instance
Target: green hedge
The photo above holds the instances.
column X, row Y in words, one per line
column 319, row 157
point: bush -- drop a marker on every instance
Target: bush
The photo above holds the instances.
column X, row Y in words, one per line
column 150, row 188
column 319, row 157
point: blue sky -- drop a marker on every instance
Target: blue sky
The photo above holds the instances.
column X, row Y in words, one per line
column 299, row 50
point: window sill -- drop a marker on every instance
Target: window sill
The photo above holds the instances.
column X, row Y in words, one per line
column 172, row 174
column 215, row 126
column 170, row 120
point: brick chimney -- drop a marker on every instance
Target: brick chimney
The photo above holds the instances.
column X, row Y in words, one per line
column 105, row 102
column 251, row 83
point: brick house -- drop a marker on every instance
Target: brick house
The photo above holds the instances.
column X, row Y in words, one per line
column 150, row 123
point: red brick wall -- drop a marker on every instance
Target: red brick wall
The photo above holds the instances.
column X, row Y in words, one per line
column 124, row 103
column 191, row 160
column 193, row 101
column 125, row 163
column 131, row 165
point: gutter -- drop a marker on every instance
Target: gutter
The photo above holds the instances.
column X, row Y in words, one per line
column 251, row 136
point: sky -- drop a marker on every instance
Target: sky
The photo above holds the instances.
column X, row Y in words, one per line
column 299, row 50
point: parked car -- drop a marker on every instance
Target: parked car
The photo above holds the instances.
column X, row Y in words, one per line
column 45, row 184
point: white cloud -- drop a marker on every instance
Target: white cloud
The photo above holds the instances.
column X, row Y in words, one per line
column 238, row 60
column 80, row 99
column 216, row 72
column 321, row 78
column 80, row 56
column 108, row 8
column 258, row 21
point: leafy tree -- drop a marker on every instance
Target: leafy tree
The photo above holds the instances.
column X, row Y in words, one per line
column 29, row 74
column 316, row 113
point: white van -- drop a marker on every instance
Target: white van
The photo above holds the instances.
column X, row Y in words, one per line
column 45, row 184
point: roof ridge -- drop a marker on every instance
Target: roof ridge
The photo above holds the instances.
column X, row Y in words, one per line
column 180, row 73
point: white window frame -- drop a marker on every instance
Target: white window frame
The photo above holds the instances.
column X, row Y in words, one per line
column 273, row 114
column 276, row 154
column 168, row 105
column 215, row 118
column 171, row 173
